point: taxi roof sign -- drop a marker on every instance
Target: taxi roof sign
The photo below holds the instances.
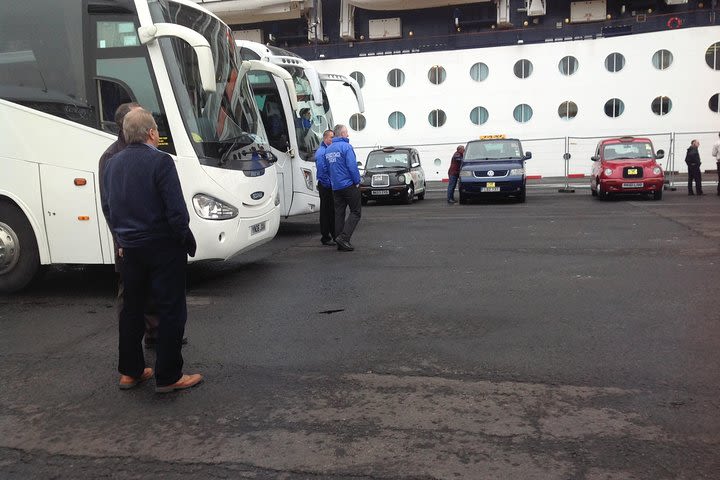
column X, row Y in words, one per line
column 499, row 136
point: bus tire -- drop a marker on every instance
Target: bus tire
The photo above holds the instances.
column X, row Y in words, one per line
column 19, row 257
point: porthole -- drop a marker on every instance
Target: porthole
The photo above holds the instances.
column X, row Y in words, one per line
column 614, row 62
column 523, row 68
column 359, row 78
column 479, row 72
column 396, row 77
column 713, row 103
column 662, row 59
column 523, row 113
column 567, row 110
column 479, row 115
column 396, row 120
column 436, row 74
column 661, row 106
column 357, row 122
column 568, row 65
column 614, row 107
column 712, row 56
column 437, row 162
column 437, row 118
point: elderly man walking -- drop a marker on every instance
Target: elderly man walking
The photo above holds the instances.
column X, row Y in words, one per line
column 145, row 209
column 345, row 180
column 327, row 206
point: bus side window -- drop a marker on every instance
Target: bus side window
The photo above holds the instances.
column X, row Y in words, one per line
column 111, row 95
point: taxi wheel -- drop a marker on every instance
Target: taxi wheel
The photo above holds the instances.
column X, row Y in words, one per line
column 657, row 194
column 602, row 194
column 593, row 192
column 410, row 195
column 421, row 196
column 521, row 197
column 363, row 201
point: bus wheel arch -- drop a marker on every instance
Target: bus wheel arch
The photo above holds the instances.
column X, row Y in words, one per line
column 19, row 255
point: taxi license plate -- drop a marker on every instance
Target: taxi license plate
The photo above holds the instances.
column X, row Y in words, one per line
column 380, row 192
column 632, row 185
column 257, row 228
column 632, row 171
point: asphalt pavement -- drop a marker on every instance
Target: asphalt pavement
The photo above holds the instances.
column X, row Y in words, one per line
column 562, row 338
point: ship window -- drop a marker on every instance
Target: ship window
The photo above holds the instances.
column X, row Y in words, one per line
column 437, row 162
column 567, row 110
column 568, row 65
column 396, row 120
column 662, row 59
column 614, row 107
column 713, row 103
column 479, row 72
column 436, row 74
column 359, row 77
column 479, row 115
column 523, row 68
column 396, row 77
column 614, row 62
column 437, row 118
column 712, row 56
column 523, row 113
column 661, row 105
column 357, row 122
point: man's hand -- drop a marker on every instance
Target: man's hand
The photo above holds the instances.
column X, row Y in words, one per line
column 120, row 252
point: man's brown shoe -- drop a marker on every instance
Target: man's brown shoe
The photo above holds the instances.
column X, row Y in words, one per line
column 127, row 382
column 186, row 381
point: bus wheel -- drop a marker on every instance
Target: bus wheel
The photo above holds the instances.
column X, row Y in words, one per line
column 19, row 258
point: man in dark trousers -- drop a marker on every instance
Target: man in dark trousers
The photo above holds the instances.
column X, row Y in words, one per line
column 454, row 172
column 692, row 158
column 146, row 212
column 345, row 180
column 119, row 145
column 327, row 206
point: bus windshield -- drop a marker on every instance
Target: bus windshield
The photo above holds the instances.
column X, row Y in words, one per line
column 217, row 122
column 312, row 119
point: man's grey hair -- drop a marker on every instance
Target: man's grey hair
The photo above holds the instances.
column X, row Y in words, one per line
column 137, row 125
column 337, row 131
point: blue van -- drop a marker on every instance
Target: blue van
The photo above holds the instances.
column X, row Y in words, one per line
column 493, row 167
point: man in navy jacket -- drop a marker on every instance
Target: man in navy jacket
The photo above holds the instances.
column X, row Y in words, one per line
column 345, row 180
column 145, row 209
column 324, row 186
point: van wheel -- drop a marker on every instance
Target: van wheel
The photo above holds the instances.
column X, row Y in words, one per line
column 19, row 257
column 521, row 197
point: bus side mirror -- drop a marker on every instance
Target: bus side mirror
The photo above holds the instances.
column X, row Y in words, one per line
column 660, row 154
column 198, row 43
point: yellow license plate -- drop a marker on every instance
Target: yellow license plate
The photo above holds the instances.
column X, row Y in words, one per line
column 632, row 171
column 490, row 184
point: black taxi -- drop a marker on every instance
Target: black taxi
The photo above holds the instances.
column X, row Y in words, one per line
column 393, row 173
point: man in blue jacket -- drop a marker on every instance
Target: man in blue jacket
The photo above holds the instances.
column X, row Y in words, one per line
column 345, row 180
column 145, row 209
column 327, row 207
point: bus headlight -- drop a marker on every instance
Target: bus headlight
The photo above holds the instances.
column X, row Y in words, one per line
column 517, row 171
column 308, row 179
column 210, row 208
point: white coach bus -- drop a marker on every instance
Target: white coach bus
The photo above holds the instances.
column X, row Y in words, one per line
column 65, row 66
column 294, row 130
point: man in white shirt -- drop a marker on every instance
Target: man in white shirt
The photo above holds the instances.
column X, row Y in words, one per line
column 716, row 154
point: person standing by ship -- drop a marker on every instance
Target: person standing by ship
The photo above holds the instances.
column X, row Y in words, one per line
column 692, row 158
column 327, row 205
column 345, row 179
column 454, row 172
column 716, row 155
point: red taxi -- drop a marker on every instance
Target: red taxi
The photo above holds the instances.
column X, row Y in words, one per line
column 626, row 165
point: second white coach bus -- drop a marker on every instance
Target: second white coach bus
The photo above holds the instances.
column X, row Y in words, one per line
column 294, row 130
column 64, row 69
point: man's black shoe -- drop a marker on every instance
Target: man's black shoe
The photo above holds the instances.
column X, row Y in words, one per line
column 151, row 342
column 451, row 201
column 343, row 245
column 327, row 241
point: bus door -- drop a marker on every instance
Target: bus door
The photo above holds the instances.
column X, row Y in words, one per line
column 278, row 117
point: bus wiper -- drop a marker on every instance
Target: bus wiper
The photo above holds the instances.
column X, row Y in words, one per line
column 252, row 151
column 242, row 140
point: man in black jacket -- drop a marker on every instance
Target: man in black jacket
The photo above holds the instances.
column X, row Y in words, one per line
column 692, row 158
column 145, row 209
